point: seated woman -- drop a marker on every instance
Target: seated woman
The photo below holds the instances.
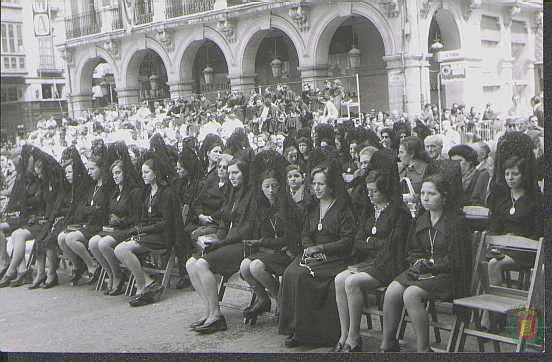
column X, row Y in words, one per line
column 468, row 159
column 154, row 229
column 39, row 217
column 234, row 227
column 379, row 247
column 299, row 192
column 519, row 212
column 436, row 243
column 307, row 307
column 85, row 221
column 123, row 205
column 413, row 161
column 277, row 233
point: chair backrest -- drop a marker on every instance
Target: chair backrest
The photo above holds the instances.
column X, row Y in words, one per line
column 508, row 242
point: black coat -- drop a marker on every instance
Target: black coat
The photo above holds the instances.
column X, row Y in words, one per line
column 385, row 251
column 236, row 219
column 337, row 232
column 278, row 232
column 528, row 220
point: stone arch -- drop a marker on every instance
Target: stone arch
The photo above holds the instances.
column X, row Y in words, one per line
column 82, row 83
column 255, row 35
column 447, row 17
column 133, row 58
column 187, row 51
column 322, row 34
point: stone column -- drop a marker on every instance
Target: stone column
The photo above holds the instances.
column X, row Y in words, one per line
column 405, row 82
column 243, row 82
column 181, row 89
column 127, row 96
column 79, row 103
column 506, row 66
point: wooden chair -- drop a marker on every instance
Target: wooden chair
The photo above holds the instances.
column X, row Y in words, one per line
column 375, row 309
column 156, row 263
column 225, row 283
column 496, row 299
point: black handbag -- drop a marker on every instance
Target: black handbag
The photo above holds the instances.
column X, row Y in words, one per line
column 419, row 270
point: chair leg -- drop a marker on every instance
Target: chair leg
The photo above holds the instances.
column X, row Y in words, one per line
column 433, row 314
column 168, row 271
column 461, row 338
column 222, row 287
column 369, row 320
column 101, row 280
column 402, row 325
column 453, row 334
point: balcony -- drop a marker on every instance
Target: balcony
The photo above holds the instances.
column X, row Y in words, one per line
column 83, row 24
column 176, row 8
column 48, row 65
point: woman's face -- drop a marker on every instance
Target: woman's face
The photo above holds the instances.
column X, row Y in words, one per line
column 10, row 166
column 235, row 175
column 222, row 170
column 295, row 179
column 374, row 194
column 303, row 148
column 148, row 175
column 291, row 155
column 337, row 144
column 320, row 187
column 431, row 198
column 93, row 170
column 513, row 177
column 386, row 140
column 118, row 176
column 353, row 151
column 214, row 154
column 465, row 166
column 270, row 187
column 404, row 156
column 69, row 173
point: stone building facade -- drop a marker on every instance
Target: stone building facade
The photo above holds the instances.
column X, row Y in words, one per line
column 489, row 48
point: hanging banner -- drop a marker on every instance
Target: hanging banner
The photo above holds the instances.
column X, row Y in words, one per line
column 41, row 18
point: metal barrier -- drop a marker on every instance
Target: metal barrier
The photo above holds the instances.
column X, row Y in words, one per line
column 83, row 24
column 176, row 8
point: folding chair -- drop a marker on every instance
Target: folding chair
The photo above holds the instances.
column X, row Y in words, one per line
column 376, row 309
column 157, row 263
column 225, row 283
column 497, row 299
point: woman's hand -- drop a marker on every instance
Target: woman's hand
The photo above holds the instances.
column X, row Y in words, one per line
column 254, row 242
column 204, row 220
column 114, row 219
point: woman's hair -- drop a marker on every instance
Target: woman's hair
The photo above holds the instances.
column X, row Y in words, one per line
column 415, row 147
column 237, row 141
column 243, row 167
column 211, row 141
column 331, row 180
column 382, row 181
column 466, row 152
column 524, row 168
column 118, row 163
column 392, row 136
column 293, row 168
column 155, row 166
column 444, row 187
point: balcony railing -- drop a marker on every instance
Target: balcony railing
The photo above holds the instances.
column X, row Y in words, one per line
column 176, row 8
column 143, row 12
column 116, row 20
column 83, row 24
column 47, row 65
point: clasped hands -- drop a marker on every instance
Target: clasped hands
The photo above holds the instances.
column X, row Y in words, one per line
column 312, row 250
column 253, row 242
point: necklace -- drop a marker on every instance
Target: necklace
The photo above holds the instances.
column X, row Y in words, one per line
column 431, row 243
column 273, row 224
column 377, row 213
column 96, row 189
column 152, row 195
column 513, row 208
column 322, row 215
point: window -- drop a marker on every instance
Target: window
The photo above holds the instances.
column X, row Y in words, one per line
column 6, row 62
column 22, row 62
column 12, row 38
column 46, row 91
column 59, row 88
column 11, row 94
column 13, row 62
column 46, row 52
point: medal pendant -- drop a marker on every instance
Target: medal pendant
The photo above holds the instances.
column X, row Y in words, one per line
column 92, row 203
column 149, row 210
column 512, row 211
column 432, row 261
column 320, row 227
column 374, row 230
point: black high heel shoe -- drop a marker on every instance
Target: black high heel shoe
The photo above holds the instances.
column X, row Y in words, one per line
column 215, row 326
column 24, row 278
column 349, row 349
column 118, row 289
column 52, row 283
column 6, row 280
column 79, row 271
column 256, row 310
column 396, row 347
column 36, row 284
column 93, row 277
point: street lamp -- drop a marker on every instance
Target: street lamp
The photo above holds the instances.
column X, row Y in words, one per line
column 436, row 47
column 276, row 63
column 354, row 55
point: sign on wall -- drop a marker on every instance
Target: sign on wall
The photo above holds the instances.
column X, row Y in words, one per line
column 453, row 72
column 41, row 18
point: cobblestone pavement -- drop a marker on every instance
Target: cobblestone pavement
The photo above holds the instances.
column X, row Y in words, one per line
column 79, row 319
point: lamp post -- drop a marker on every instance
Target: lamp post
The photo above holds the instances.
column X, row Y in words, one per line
column 436, row 48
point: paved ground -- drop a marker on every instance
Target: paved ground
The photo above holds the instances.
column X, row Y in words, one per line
column 69, row 319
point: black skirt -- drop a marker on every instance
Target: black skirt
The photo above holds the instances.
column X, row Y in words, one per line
column 119, row 235
column 225, row 260
column 50, row 241
column 275, row 262
column 369, row 267
column 440, row 286
column 152, row 241
column 307, row 304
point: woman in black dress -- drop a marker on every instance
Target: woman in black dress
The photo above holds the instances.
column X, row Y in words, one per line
column 52, row 187
column 154, row 228
column 234, row 227
column 436, row 243
column 123, row 205
column 276, row 231
column 379, row 251
column 85, row 221
column 413, row 161
column 307, row 305
column 209, row 154
column 299, row 192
